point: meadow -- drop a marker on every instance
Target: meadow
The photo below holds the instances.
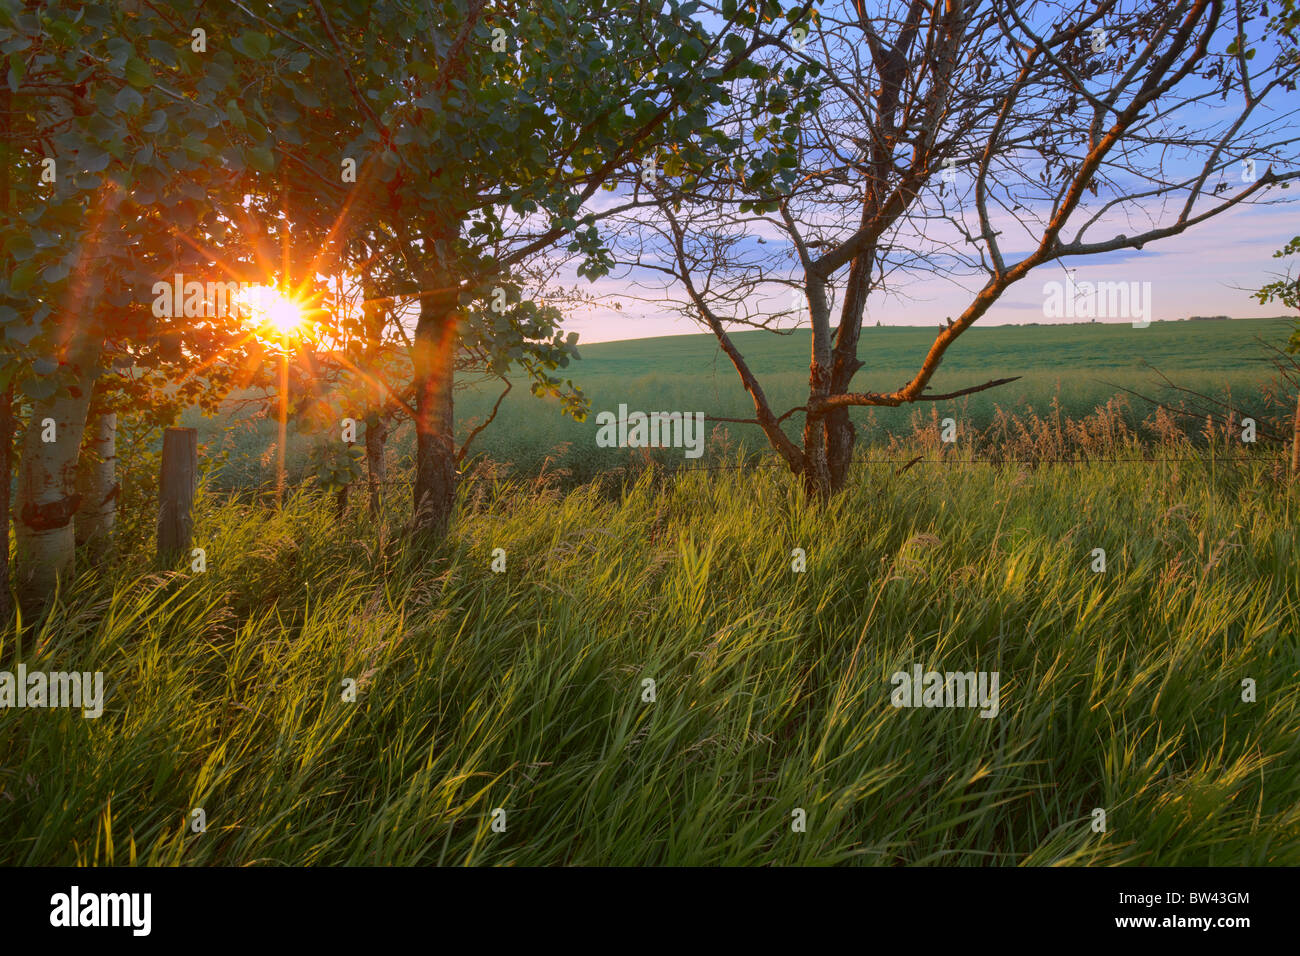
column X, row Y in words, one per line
column 1070, row 370
column 524, row 690
column 1161, row 690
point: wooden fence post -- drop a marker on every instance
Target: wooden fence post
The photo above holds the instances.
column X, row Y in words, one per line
column 180, row 464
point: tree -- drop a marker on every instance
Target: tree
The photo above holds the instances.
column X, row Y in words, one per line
column 190, row 138
column 360, row 368
column 975, row 141
column 121, row 171
column 1286, row 289
column 478, row 138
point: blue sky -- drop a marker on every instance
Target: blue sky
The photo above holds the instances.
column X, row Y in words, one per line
column 1208, row 270
column 1204, row 271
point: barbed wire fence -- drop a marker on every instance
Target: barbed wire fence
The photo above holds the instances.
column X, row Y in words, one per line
column 907, row 462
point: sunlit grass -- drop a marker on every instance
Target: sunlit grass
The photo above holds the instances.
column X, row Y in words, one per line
column 523, row 690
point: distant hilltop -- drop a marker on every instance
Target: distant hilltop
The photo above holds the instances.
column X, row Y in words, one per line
column 1058, row 325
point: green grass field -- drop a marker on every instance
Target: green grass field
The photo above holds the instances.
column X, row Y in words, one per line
column 524, row 690
column 1077, row 366
column 1163, row 690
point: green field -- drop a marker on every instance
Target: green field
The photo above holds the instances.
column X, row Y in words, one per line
column 1077, row 366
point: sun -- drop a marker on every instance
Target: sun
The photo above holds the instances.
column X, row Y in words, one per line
column 277, row 316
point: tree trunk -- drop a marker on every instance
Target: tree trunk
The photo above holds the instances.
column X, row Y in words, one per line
column 97, row 481
column 840, row 434
column 8, row 425
column 435, row 447
column 376, row 317
column 840, row 438
column 47, row 485
column 376, row 467
column 7, row 429
column 1295, row 441
column 816, row 469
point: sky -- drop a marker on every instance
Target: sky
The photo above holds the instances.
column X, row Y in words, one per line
column 1208, row 270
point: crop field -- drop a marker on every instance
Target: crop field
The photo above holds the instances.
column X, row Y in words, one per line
column 1066, row 370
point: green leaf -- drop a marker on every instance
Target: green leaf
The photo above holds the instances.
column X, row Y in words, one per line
column 128, row 100
column 20, row 246
column 23, row 277
column 39, row 389
column 93, row 161
column 253, row 44
column 22, row 333
column 138, row 73
column 164, row 53
column 261, row 158
column 17, row 70
column 305, row 95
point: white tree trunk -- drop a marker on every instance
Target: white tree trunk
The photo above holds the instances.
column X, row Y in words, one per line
column 97, row 481
column 47, row 495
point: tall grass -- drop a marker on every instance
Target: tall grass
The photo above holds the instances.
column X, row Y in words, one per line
column 524, row 690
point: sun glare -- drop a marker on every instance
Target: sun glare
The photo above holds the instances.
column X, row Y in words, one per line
column 275, row 312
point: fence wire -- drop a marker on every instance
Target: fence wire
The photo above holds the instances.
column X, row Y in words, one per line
column 948, row 462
